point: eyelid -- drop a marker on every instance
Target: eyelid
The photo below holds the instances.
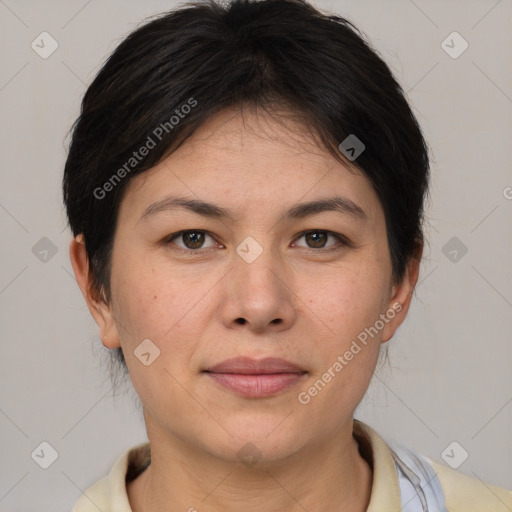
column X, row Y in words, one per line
column 343, row 240
column 177, row 234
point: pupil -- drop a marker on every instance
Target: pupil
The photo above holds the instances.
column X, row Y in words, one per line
column 197, row 238
column 194, row 235
column 315, row 235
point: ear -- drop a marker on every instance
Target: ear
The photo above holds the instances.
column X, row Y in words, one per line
column 97, row 306
column 401, row 295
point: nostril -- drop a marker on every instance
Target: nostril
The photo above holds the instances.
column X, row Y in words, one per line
column 241, row 321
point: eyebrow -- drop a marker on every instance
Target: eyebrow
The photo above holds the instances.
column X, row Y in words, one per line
column 298, row 211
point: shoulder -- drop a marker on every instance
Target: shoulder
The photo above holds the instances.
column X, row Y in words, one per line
column 464, row 493
column 95, row 498
column 421, row 480
column 109, row 494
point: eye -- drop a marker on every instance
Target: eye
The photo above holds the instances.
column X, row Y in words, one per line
column 316, row 239
column 192, row 239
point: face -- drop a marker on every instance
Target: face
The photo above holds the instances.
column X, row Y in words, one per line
column 257, row 276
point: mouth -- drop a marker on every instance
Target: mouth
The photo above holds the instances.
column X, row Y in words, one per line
column 256, row 378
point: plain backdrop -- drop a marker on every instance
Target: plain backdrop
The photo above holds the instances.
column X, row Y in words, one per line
column 450, row 378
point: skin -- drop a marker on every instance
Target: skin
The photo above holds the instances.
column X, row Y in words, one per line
column 299, row 302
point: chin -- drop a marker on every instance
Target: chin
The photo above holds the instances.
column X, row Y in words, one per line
column 263, row 437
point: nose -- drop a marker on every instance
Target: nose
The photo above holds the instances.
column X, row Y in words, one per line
column 259, row 295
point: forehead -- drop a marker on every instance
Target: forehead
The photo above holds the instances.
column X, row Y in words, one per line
column 252, row 160
column 252, row 131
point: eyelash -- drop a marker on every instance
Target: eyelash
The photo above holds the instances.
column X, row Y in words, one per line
column 344, row 242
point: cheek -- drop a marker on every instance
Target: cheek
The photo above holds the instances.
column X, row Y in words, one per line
column 161, row 304
column 151, row 305
column 346, row 356
column 348, row 303
column 138, row 295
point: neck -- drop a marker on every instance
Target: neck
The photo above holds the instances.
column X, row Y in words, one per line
column 331, row 475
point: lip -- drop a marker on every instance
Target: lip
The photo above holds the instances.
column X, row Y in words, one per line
column 256, row 378
column 249, row 366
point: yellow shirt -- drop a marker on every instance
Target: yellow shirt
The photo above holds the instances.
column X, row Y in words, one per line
column 461, row 492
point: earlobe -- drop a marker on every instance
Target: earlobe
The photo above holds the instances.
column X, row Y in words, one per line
column 401, row 295
column 100, row 311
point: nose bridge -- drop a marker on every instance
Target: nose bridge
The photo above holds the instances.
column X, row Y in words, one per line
column 258, row 266
column 259, row 290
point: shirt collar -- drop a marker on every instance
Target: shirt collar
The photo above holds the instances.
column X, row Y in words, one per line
column 385, row 486
column 385, row 492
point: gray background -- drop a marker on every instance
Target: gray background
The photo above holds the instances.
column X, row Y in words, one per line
column 450, row 377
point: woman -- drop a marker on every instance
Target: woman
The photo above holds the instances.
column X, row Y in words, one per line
column 245, row 186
